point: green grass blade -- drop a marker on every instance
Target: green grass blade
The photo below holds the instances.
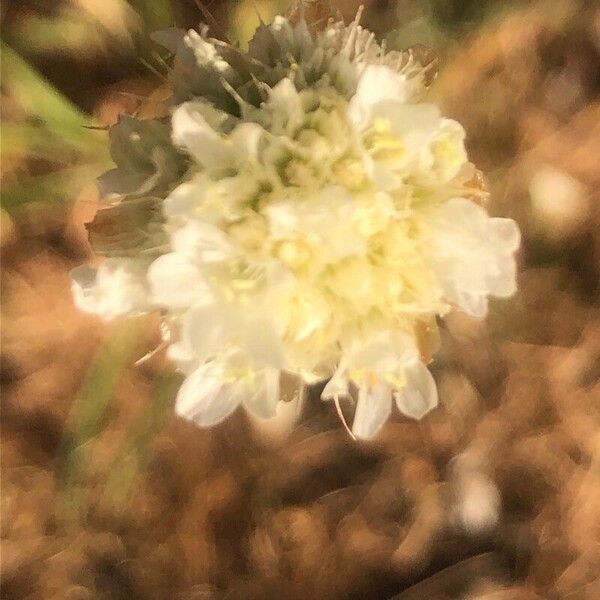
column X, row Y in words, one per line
column 138, row 446
column 39, row 99
column 89, row 411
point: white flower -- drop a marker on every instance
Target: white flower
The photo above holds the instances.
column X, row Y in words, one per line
column 386, row 365
column 196, row 128
column 177, row 282
column 325, row 218
column 377, row 85
column 472, row 254
column 419, row 394
column 232, row 356
column 216, row 388
column 117, row 287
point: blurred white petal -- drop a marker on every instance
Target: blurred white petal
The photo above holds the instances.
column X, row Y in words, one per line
column 419, row 395
column 116, row 288
column 192, row 131
column 472, row 254
column 373, row 408
column 287, row 105
column 383, row 353
column 177, row 282
column 263, row 401
column 209, row 328
column 204, row 398
column 336, row 386
column 505, row 233
column 377, row 84
column 202, row 242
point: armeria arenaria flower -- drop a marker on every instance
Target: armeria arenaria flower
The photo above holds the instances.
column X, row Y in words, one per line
column 300, row 209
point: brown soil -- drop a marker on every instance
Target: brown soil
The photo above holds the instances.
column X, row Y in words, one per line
column 218, row 514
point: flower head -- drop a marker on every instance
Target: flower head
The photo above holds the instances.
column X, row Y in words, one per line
column 316, row 217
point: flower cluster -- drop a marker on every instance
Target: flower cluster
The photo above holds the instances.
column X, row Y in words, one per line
column 300, row 209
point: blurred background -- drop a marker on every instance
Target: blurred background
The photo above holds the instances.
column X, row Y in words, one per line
column 495, row 495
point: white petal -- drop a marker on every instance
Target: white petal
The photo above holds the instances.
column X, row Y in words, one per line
column 446, row 155
column 378, row 83
column 505, row 233
column 384, row 178
column 209, row 328
column 276, row 429
column 192, row 131
column 211, row 201
column 285, row 102
column 182, row 356
column 246, row 140
column 336, row 386
column 176, row 282
column 83, row 280
column 414, row 124
column 204, row 399
column 504, row 282
column 118, row 287
column 262, row 342
column 181, row 202
column 473, row 304
column 383, row 353
column 420, row 395
column 310, row 312
column 372, row 411
column 263, row 402
column 124, row 286
column 203, row 242
column 472, row 254
column 322, row 216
